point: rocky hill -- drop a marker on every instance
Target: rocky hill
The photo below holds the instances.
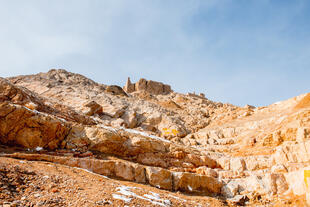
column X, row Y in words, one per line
column 82, row 143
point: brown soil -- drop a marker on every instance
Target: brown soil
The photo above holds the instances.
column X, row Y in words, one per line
column 28, row 183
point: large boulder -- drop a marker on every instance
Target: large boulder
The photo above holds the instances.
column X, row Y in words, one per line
column 130, row 119
column 115, row 90
column 196, row 183
column 170, row 128
column 142, row 145
column 93, row 108
column 106, row 141
column 30, row 129
column 77, row 138
column 159, row 177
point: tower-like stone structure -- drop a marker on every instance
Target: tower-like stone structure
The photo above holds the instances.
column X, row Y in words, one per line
column 129, row 87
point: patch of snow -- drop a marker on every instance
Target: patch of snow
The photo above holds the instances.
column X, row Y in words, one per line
column 24, row 107
column 34, row 111
column 107, row 127
column 155, row 195
column 133, row 131
column 151, row 197
column 38, row 112
column 281, row 119
column 61, row 119
column 120, row 197
column 157, row 203
column 177, row 198
column 39, row 149
column 48, row 103
column 96, row 119
column 167, row 202
column 145, row 134
column 125, row 191
column 22, row 161
column 91, row 172
column 37, row 195
column 190, row 188
column 154, row 199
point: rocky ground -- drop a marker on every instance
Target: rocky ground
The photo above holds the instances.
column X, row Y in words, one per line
column 69, row 141
column 27, row 183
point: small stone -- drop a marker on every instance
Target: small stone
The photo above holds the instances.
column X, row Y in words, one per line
column 238, row 200
column 37, row 195
column 103, row 202
column 41, row 203
column 54, row 190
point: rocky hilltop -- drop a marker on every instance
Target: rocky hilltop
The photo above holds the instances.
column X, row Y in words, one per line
column 69, row 141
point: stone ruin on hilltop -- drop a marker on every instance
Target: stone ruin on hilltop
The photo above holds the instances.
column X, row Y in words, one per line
column 150, row 86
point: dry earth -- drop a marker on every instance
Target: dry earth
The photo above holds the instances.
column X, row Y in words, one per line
column 27, row 183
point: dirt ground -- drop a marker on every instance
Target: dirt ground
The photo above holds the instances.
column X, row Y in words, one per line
column 28, row 183
column 34, row 183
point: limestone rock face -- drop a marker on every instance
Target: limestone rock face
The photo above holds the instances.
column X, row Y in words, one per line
column 93, row 108
column 30, row 129
column 192, row 182
column 230, row 190
column 9, row 92
column 115, row 90
column 303, row 133
column 151, row 151
column 278, row 183
column 77, row 138
column 207, row 171
column 106, row 141
column 112, row 111
column 141, row 144
column 149, row 134
column 124, row 171
column 237, row 164
column 130, row 119
column 159, row 177
column 291, row 152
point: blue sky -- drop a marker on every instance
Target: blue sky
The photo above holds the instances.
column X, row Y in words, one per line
column 238, row 51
